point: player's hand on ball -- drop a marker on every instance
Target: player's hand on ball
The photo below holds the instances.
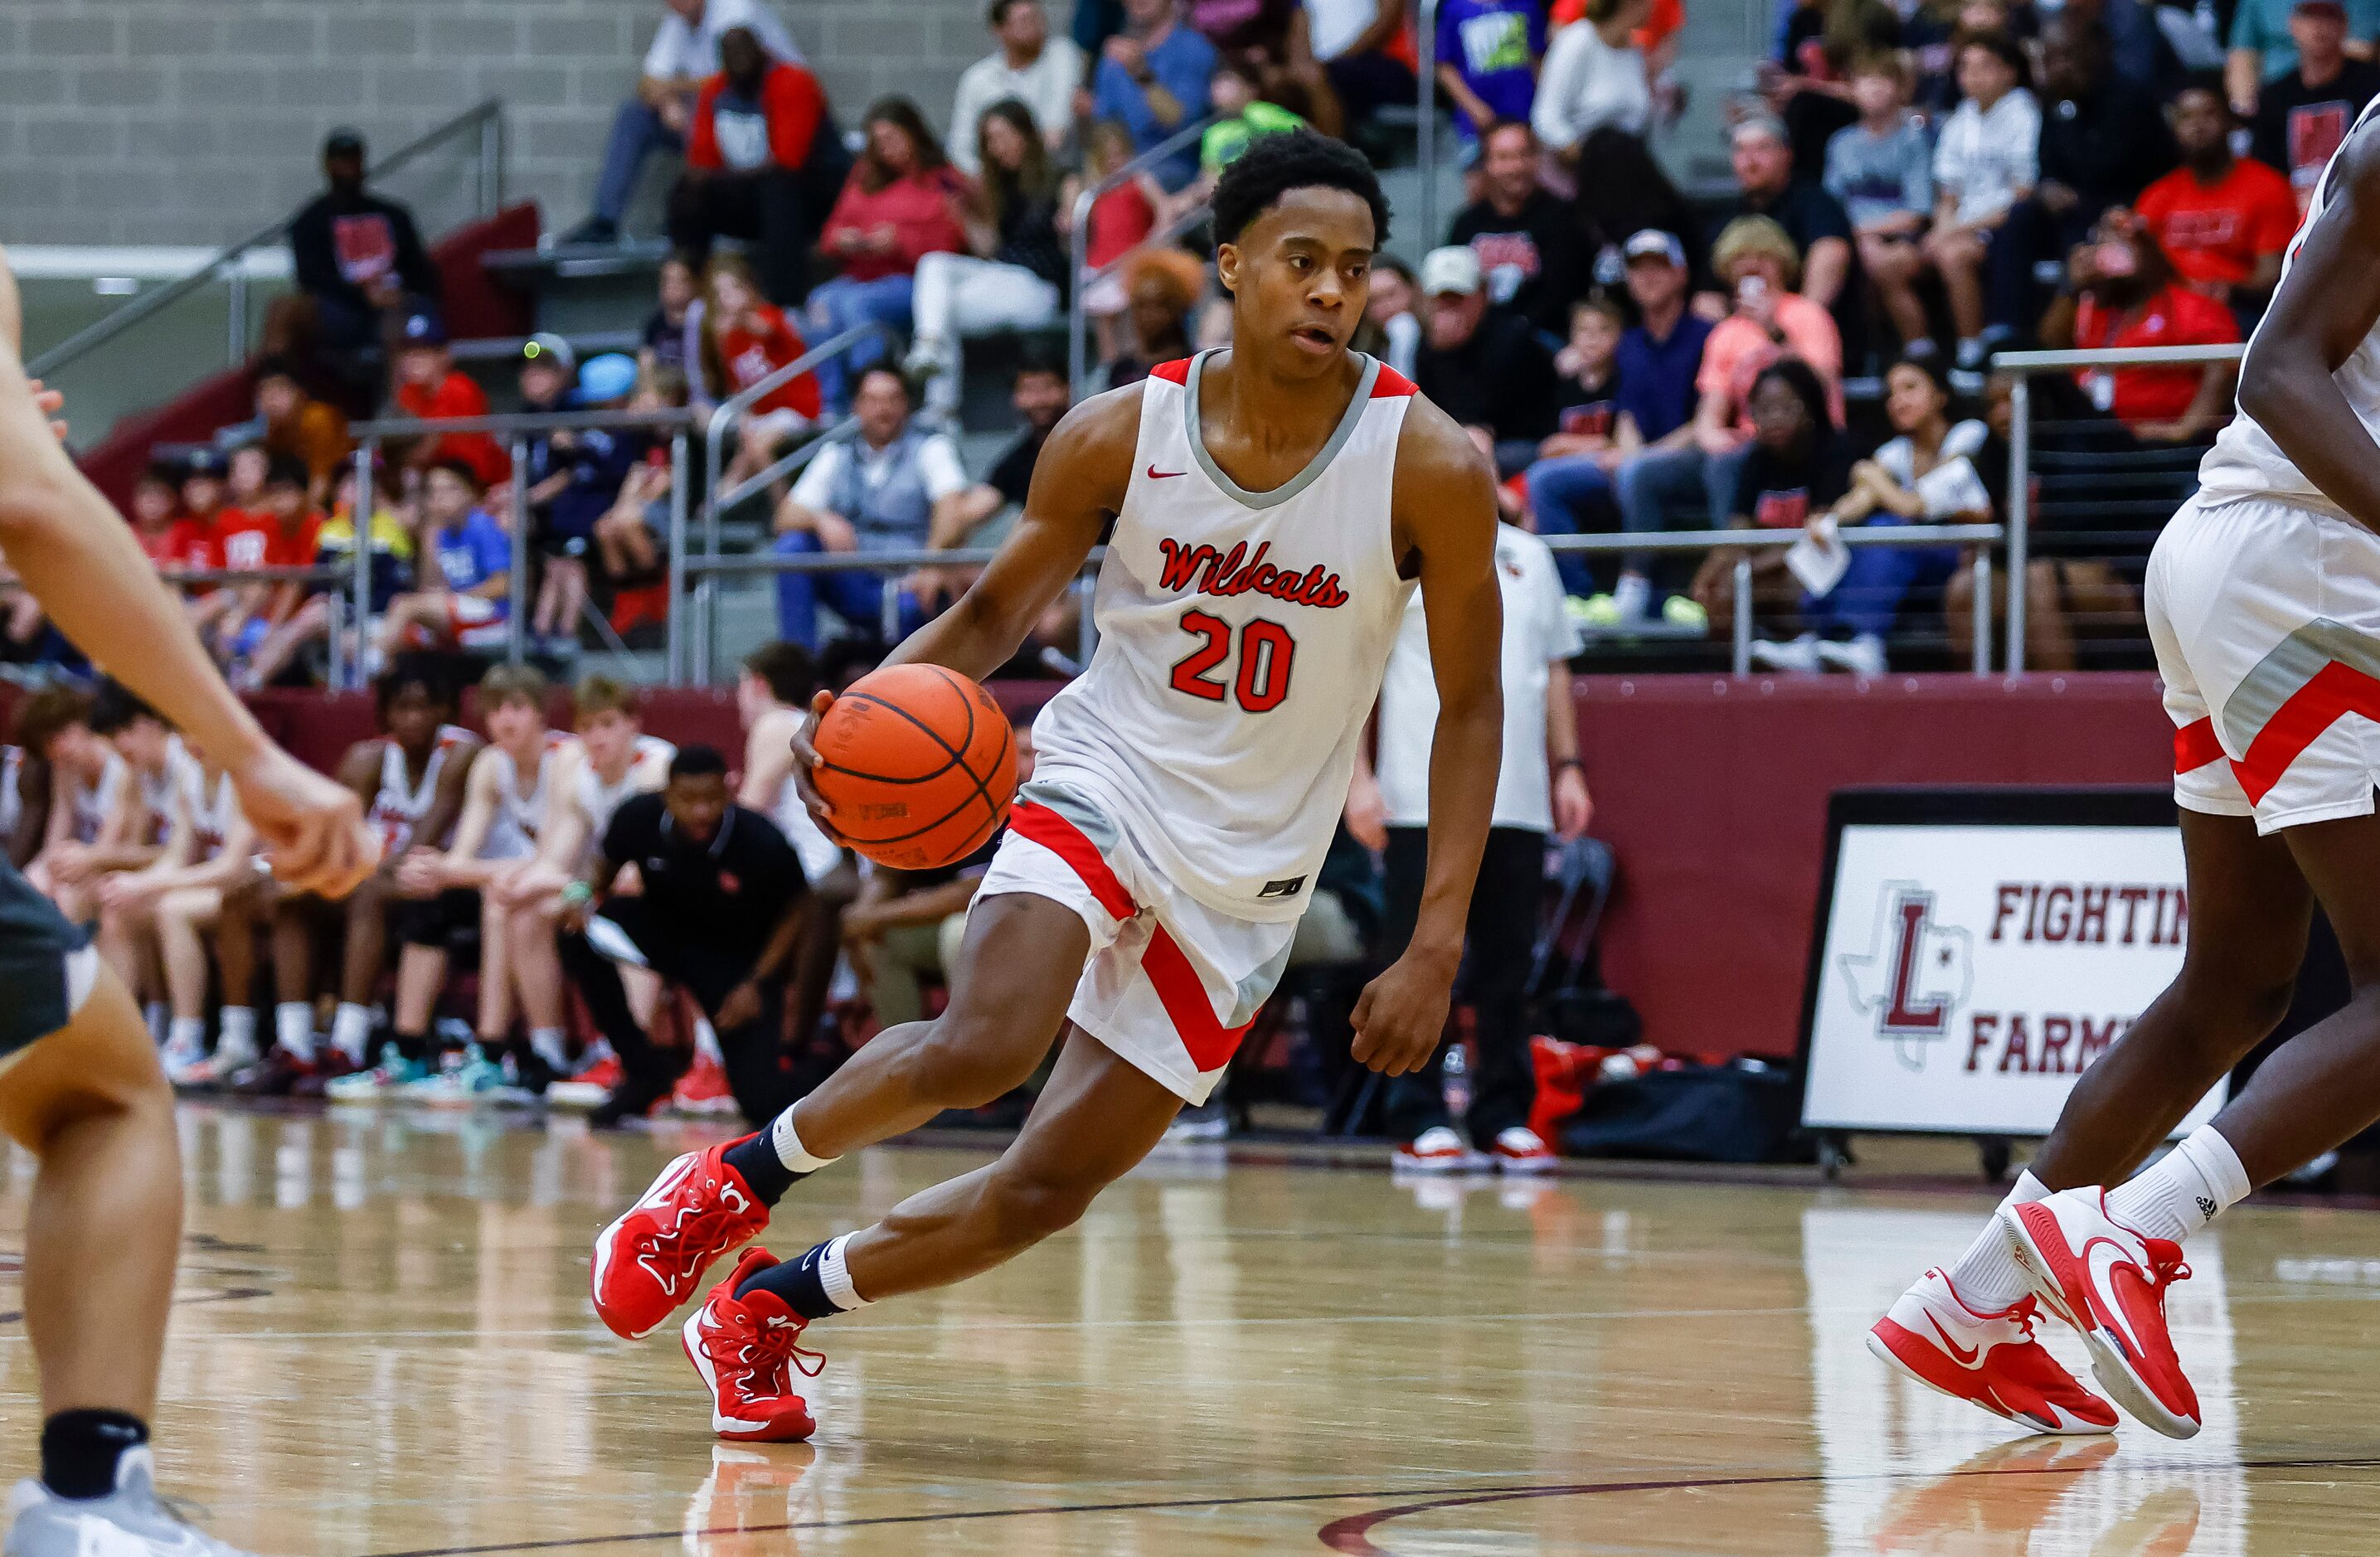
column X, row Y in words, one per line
column 1401, row 1014
column 806, row 758
column 312, row 828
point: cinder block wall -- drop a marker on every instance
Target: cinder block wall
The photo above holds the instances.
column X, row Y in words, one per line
column 196, row 121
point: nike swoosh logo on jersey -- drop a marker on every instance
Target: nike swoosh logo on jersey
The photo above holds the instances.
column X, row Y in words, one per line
column 2101, row 1256
column 1157, row 475
column 1968, row 1356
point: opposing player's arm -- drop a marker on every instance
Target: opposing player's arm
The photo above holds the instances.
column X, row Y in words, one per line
column 1444, row 527
column 2324, row 310
column 1077, row 484
column 80, row 562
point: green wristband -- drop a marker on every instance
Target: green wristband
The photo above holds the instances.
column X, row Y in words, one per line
column 577, row 895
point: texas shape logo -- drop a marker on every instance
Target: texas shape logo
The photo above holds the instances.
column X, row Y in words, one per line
column 1915, row 973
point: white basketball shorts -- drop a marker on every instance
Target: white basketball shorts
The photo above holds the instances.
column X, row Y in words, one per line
column 2267, row 620
column 1172, row 986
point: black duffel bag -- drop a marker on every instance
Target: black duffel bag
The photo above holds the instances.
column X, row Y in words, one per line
column 1746, row 1111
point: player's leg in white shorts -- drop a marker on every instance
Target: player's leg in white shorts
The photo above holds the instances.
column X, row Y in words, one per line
column 1171, row 985
column 2266, row 616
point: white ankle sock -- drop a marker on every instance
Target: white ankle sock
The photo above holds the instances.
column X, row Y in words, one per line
column 237, row 1028
column 188, row 1034
column 293, row 1028
column 790, row 1151
column 835, row 1278
column 351, row 1031
column 1988, row 1277
column 2182, row 1190
column 547, row 1043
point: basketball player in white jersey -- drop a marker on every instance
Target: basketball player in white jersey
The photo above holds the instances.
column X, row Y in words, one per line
column 503, row 810
column 49, row 728
column 133, row 837
column 179, row 899
column 79, row 1084
column 411, row 780
column 2264, row 603
column 82, row 773
column 1273, row 505
column 772, row 694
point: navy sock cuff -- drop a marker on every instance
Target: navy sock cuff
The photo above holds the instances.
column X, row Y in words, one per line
column 79, row 1449
column 796, row 1284
column 755, row 1158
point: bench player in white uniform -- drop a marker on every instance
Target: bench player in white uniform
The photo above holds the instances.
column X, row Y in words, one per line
column 1273, row 505
column 410, row 779
column 609, row 759
column 62, row 761
column 503, row 810
column 79, row 1084
column 2264, row 603
column 772, row 694
column 139, row 815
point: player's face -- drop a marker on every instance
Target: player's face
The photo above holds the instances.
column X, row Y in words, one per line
column 1300, row 274
column 609, row 736
column 516, row 721
column 76, row 750
column 413, row 716
column 141, row 744
column 695, row 804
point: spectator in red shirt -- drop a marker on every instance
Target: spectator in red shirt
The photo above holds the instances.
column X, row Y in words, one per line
column 901, row 202
column 280, row 534
column 430, row 387
column 2125, row 292
column 2222, row 219
column 744, row 339
column 170, row 540
column 757, row 166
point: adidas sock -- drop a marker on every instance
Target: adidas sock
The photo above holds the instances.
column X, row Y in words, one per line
column 235, row 1030
column 1988, row 1276
column 546, row 1043
column 815, row 1285
column 293, row 1028
column 79, row 1449
column 772, row 1159
column 351, row 1031
column 2182, row 1190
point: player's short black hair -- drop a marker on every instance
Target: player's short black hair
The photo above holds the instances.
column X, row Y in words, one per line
column 115, row 706
column 427, row 671
column 697, row 762
column 786, row 669
column 1285, row 160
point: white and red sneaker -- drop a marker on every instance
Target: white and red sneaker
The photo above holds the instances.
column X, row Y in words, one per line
column 1521, row 1150
column 2108, row 1282
column 652, row 1258
column 745, row 1348
column 703, row 1089
column 1435, row 1150
column 1989, row 1360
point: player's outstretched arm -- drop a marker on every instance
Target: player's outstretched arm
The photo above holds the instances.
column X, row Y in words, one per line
column 1445, row 525
column 2321, row 313
column 80, row 562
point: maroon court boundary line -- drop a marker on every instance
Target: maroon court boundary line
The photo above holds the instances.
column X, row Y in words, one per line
column 1351, row 1534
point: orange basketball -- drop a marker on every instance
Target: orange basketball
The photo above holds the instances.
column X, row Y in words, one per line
column 918, row 764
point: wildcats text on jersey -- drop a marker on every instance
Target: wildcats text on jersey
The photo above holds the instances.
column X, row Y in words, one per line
column 1222, row 572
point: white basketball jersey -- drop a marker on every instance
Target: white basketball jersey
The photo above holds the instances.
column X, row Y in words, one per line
column 2245, row 462
column 157, row 790
column 513, row 834
column 1241, row 638
column 211, row 807
column 820, row 854
column 402, row 803
column 92, row 804
column 598, row 800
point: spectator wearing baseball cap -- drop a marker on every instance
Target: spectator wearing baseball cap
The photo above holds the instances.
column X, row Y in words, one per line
column 1526, row 238
column 2265, row 46
column 1484, row 365
column 359, row 264
column 574, row 477
column 2300, row 117
column 1768, row 185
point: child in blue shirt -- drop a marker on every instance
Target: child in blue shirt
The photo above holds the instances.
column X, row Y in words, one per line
column 467, row 599
column 1489, row 52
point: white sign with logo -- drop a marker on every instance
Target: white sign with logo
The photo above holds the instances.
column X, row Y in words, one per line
column 1970, row 972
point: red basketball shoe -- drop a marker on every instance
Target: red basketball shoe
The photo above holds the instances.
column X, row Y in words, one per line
column 2108, row 1282
column 1987, row 1359
column 648, row 1260
column 744, row 1349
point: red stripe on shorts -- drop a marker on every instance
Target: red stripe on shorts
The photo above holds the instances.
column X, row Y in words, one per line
column 2329, row 695
column 2196, row 745
column 1209, row 1043
column 1061, row 837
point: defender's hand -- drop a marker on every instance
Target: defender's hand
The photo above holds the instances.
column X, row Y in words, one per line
column 312, row 828
column 806, row 758
column 1401, row 1014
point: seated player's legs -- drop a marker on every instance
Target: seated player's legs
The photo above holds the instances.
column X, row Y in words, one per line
column 536, row 973
column 181, row 920
column 426, row 930
column 188, row 921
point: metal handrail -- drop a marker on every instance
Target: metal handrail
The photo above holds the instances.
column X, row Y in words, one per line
column 716, row 502
column 1426, row 118
column 523, row 421
column 2024, row 365
column 1078, row 244
column 487, row 116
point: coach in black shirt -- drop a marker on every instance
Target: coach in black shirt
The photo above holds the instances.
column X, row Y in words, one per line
column 719, row 914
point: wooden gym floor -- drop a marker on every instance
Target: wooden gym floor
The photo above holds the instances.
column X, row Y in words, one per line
column 383, row 1345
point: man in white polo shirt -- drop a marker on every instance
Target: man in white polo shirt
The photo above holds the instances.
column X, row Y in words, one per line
column 1039, row 71
column 1541, row 790
column 684, row 54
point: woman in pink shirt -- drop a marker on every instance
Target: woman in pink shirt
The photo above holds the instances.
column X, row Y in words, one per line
column 901, row 202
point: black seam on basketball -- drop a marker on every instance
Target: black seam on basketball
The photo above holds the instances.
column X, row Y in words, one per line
column 825, row 766
column 958, row 758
